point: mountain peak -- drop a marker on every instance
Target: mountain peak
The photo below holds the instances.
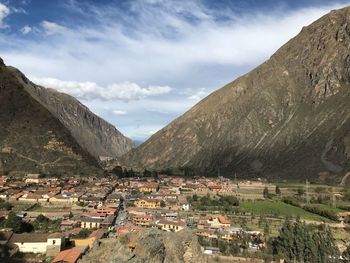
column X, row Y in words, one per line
column 290, row 116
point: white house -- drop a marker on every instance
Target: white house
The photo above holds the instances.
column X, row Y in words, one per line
column 42, row 243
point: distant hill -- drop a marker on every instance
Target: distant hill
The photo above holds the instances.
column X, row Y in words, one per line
column 289, row 117
column 43, row 130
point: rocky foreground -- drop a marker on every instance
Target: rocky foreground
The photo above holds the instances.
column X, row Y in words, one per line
column 152, row 246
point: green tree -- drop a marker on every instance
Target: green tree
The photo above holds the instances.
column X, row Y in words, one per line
column 162, row 204
column 41, row 218
column 118, row 171
column 14, row 222
column 266, row 192
column 300, row 242
column 84, row 233
column 278, row 190
column 266, row 229
column 301, row 191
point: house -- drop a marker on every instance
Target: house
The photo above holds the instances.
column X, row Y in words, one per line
column 142, row 220
column 107, row 211
column 185, row 207
column 214, row 222
column 68, row 256
column 170, row 226
column 149, row 188
column 32, row 179
column 64, row 199
column 68, row 224
column 88, row 222
column 38, row 243
column 147, row 203
column 211, row 250
column 55, row 242
column 91, row 240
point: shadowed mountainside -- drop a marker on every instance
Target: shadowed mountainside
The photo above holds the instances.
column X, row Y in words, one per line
column 289, row 117
column 46, row 131
column 93, row 133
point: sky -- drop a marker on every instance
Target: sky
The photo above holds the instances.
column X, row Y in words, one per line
column 140, row 64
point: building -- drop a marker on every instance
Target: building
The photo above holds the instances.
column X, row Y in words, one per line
column 147, row 203
column 68, row 256
column 149, row 188
column 91, row 240
column 42, row 243
column 170, row 226
column 214, row 222
column 88, row 222
column 32, row 179
column 142, row 220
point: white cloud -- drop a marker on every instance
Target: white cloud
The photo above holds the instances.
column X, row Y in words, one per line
column 182, row 45
column 119, row 112
column 26, row 29
column 125, row 91
column 4, row 12
column 52, row 28
column 198, row 95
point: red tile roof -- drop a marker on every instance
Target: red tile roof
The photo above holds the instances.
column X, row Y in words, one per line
column 70, row 256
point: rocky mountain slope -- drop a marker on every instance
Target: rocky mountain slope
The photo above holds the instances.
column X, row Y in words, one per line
column 98, row 137
column 46, row 131
column 288, row 117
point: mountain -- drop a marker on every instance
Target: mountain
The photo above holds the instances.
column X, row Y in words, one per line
column 289, row 117
column 50, row 132
column 100, row 138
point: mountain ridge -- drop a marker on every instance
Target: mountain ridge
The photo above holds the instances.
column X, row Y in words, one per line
column 40, row 130
column 288, row 113
column 95, row 134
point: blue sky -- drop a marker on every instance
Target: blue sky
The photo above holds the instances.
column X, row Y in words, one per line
column 141, row 63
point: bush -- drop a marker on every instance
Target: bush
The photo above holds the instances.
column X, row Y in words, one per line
column 322, row 212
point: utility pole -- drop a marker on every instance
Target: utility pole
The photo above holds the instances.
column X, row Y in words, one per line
column 307, row 192
column 333, row 199
column 236, row 183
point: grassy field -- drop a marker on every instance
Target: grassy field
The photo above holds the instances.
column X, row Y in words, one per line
column 279, row 209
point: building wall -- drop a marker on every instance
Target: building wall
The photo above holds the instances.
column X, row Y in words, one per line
column 35, row 247
column 84, row 242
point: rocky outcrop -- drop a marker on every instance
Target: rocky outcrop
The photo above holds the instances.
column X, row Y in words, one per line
column 94, row 134
column 153, row 246
column 289, row 117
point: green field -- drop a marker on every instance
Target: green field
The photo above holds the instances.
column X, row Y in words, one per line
column 279, row 209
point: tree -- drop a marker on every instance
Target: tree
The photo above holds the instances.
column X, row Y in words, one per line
column 162, row 204
column 266, row 229
column 266, row 192
column 300, row 242
column 300, row 191
column 278, row 190
column 41, row 218
column 118, row 171
column 14, row 222
column 84, row 233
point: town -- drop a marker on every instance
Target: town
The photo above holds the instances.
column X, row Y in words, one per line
column 59, row 219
